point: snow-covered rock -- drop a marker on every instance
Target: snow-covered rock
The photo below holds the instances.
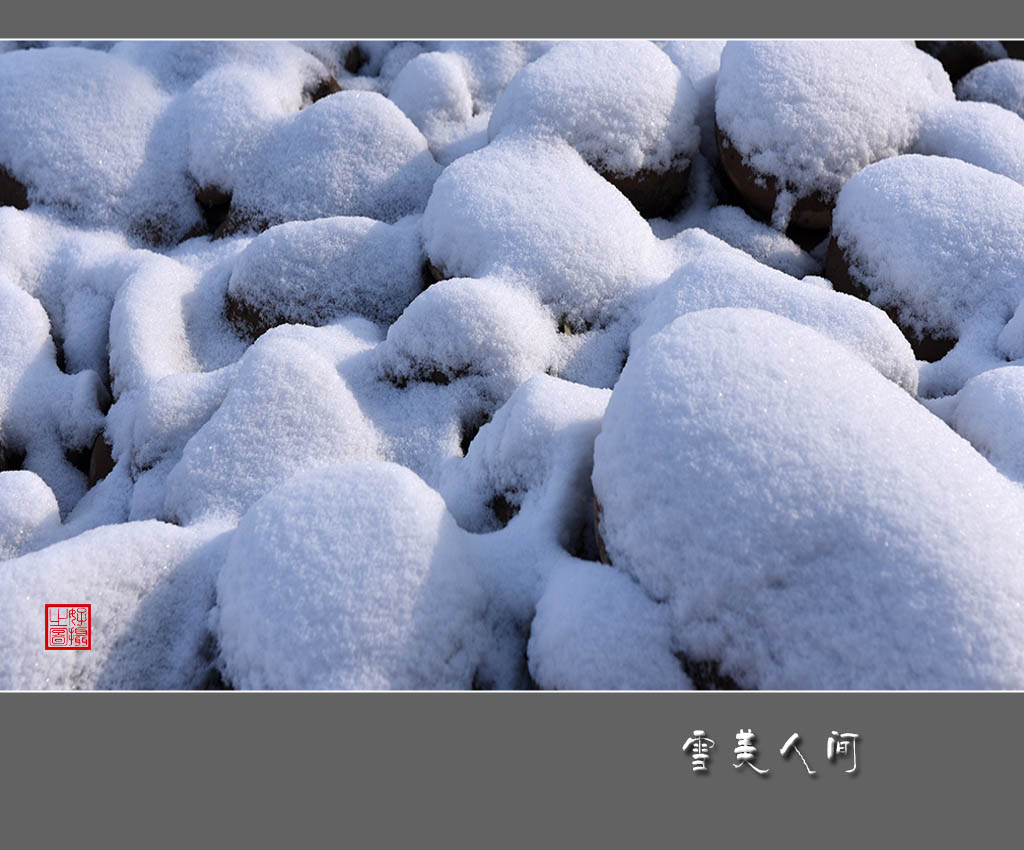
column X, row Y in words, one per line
column 350, row 577
column 809, row 523
column 940, row 242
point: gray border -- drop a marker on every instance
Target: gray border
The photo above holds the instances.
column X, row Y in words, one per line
column 474, row 768
column 306, row 19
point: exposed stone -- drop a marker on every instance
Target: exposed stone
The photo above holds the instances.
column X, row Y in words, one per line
column 655, row 194
column 958, row 57
column 844, row 279
column 760, row 191
column 13, row 193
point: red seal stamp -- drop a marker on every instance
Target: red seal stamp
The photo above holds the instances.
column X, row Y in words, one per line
column 68, row 626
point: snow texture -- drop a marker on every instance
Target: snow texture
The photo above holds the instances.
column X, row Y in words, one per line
column 808, row 527
column 982, row 134
column 151, row 588
column 942, row 243
column 813, row 113
column 1000, row 82
column 313, row 272
column 622, row 105
column 350, row 577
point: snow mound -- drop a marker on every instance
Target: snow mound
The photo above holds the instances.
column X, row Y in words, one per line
column 287, row 411
column 595, row 629
column 622, row 104
column 313, row 272
column 810, row 114
column 352, row 577
column 90, row 136
column 716, row 275
column 532, row 211
column 29, row 516
column 940, row 243
column 809, row 524
column 151, row 587
column 353, row 153
column 169, row 318
column 989, row 412
column 1000, row 82
column 496, row 334
column 433, row 91
column 982, row 134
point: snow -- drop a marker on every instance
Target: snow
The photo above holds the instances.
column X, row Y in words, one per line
column 43, row 411
column 988, row 412
column 763, row 243
column 622, row 105
column 60, row 107
column 350, row 577
column 29, row 516
column 483, row 329
column 316, row 271
column 982, row 134
column 353, row 153
column 595, row 629
column 1000, row 82
column 151, row 588
column 893, row 562
column 531, row 211
column 288, row 410
column 716, row 275
column 813, row 113
column 941, row 242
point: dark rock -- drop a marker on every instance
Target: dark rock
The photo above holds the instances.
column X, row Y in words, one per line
column 503, row 509
column 101, row 460
column 355, row 59
column 1014, row 49
column 958, row 57
column 10, row 459
column 655, row 194
column 706, row 676
column 247, row 321
column 13, row 193
column 215, row 204
column 839, row 270
column 320, row 90
column 811, row 218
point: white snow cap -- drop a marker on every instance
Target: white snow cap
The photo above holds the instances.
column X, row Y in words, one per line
column 808, row 522
column 989, row 411
column 288, row 410
column 941, row 241
column 86, row 132
column 716, row 275
column 813, row 113
column 313, row 272
column 622, row 104
column 999, row 82
column 982, row 134
column 350, row 577
column 353, row 153
column 533, row 211
column 462, row 327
